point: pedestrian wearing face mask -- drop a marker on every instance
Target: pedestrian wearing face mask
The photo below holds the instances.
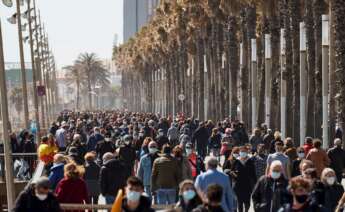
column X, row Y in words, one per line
column 127, row 152
column 134, row 200
column 161, row 138
column 104, row 146
column 300, row 189
column 333, row 190
column 260, row 159
column 196, row 162
column 188, row 197
column 270, row 191
column 295, row 170
column 337, row 157
column 37, row 197
column 183, row 164
column 144, row 171
column 244, row 179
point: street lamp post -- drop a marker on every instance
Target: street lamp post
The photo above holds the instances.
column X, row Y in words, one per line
column 283, row 84
column 303, row 78
column 268, row 70
column 39, row 63
column 325, row 79
column 22, row 66
column 34, row 77
column 254, row 83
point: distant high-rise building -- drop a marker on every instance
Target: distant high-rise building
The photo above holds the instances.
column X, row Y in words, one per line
column 136, row 13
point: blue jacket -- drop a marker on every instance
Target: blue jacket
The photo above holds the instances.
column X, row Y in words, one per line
column 216, row 177
column 56, row 174
column 92, row 142
column 145, row 169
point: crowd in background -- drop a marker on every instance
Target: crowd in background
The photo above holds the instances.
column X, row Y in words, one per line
column 194, row 165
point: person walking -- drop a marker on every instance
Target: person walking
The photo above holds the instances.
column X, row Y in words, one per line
column 213, row 176
column 61, row 136
column 295, row 168
column 260, row 161
column 72, row 188
column 200, row 140
column 196, row 162
column 188, row 197
column 333, row 189
column 214, row 143
column 318, row 156
column 37, row 197
column 337, row 158
column 244, row 179
column 213, row 200
column 135, row 201
column 112, row 177
column 256, row 139
column 270, row 192
column 173, row 134
column 91, row 177
column 183, row 163
column 57, row 170
column 279, row 155
column 166, row 175
column 300, row 189
column 144, row 171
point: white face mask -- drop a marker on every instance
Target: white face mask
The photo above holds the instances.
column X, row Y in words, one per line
column 188, row 152
column 275, row 175
column 300, row 155
column 42, row 197
column 330, row 180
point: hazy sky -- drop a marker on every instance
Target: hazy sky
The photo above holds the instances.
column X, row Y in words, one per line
column 73, row 26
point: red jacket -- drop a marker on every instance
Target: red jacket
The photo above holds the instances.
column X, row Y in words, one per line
column 307, row 148
column 72, row 191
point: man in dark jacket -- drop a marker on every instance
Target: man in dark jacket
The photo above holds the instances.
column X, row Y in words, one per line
column 94, row 139
column 37, row 197
column 112, row 177
column 127, row 152
column 337, row 157
column 161, row 138
column 270, row 191
column 104, row 146
column 200, row 140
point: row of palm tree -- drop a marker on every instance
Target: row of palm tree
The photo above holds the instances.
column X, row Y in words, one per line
column 202, row 49
column 89, row 75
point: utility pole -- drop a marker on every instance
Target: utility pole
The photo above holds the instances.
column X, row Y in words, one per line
column 38, row 64
column 268, row 76
column 325, row 79
column 22, row 66
column 303, row 80
column 34, row 72
column 5, row 128
column 254, row 83
column 283, row 84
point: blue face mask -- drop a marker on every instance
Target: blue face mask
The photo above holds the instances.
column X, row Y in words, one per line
column 243, row 154
column 188, row 195
column 275, row 175
column 133, row 196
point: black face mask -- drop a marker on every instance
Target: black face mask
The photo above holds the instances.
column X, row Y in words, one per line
column 301, row 198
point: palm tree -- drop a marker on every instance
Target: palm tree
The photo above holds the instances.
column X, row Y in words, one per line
column 338, row 11
column 74, row 76
column 95, row 72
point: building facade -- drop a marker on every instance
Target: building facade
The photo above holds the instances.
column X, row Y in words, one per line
column 136, row 13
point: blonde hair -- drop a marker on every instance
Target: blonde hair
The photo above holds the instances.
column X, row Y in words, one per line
column 72, row 171
column 277, row 135
column 325, row 172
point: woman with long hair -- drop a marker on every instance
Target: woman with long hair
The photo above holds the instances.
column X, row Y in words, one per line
column 188, row 197
column 72, row 188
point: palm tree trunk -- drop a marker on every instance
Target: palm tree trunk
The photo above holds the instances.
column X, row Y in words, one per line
column 201, row 89
column 309, row 23
column 244, row 72
column 318, row 10
column 234, row 64
column 295, row 20
column 275, row 89
column 78, row 94
column 332, row 77
column 338, row 10
column 89, row 90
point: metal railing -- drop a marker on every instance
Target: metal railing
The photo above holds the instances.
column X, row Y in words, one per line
column 104, row 207
column 24, row 165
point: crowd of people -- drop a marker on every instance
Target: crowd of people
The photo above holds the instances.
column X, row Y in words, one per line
column 182, row 162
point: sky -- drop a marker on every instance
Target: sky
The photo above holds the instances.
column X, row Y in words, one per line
column 73, row 27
